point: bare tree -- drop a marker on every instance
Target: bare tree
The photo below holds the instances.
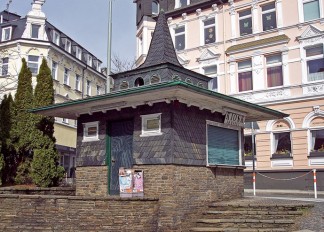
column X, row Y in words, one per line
column 121, row 65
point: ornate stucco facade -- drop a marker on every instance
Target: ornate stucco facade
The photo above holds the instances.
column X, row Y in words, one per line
column 268, row 52
column 76, row 72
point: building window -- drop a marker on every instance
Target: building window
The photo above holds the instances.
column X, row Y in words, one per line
column 155, row 8
column 65, row 120
column 315, row 63
column 78, row 53
column 91, row 131
column 4, row 66
column 274, row 71
column 6, row 34
column 317, row 141
column 282, row 143
column 245, row 21
column 311, row 9
column 245, row 75
column 68, row 46
column 77, row 82
column 66, row 76
column 98, row 90
column 151, row 124
column 182, row 3
column 54, row 70
column 248, row 146
column 89, row 61
column 211, row 71
column 139, row 82
column 269, row 20
column 209, row 31
column 33, row 64
column 56, row 38
column 35, row 31
column 179, row 38
column 88, row 87
column 223, row 145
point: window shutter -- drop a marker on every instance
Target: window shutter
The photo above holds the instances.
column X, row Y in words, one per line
column 223, row 146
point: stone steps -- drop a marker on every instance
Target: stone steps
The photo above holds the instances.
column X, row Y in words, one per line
column 252, row 214
column 243, row 217
column 211, row 229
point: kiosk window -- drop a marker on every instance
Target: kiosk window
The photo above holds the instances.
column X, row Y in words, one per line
column 222, row 146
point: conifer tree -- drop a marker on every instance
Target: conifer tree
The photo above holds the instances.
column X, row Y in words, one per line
column 44, row 96
column 23, row 128
column 7, row 151
column 45, row 171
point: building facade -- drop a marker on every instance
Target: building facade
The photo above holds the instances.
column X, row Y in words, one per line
column 76, row 72
column 268, row 52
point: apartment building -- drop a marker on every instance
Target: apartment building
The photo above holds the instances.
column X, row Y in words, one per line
column 76, row 71
column 268, row 52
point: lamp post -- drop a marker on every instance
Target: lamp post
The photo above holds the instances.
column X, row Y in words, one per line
column 109, row 46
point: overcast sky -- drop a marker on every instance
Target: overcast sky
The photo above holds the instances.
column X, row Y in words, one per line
column 85, row 21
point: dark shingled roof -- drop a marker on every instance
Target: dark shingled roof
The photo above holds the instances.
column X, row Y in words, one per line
column 161, row 48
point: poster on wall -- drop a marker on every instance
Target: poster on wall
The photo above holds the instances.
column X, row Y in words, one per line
column 131, row 182
column 138, row 179
column 125, row 182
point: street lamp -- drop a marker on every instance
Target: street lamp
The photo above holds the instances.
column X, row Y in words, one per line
column 109, row 46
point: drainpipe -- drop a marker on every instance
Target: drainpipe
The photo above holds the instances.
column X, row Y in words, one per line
column 82, row 87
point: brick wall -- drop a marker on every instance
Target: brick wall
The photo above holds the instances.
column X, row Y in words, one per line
column 185, row 191
column 53, row 213
column 92, row 181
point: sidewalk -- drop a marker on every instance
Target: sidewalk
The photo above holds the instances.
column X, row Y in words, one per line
column 284, row 193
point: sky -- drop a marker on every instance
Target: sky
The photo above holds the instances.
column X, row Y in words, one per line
column 86, row 22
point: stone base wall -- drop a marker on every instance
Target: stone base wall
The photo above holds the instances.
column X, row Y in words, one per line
column 92, row 181
column 184, row 191
column 61, row 191
column 66, row 213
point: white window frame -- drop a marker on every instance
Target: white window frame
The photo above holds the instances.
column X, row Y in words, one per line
column 86, row 126
column 269, row 11
column 158, row 5
column 226, row 126
column 68, row 45
column 65, row 120
column 77, row 82
column 56, row 38
column 33, row 62
column 4, row 65
column 88, row 88
column 55, row 70
column 4, row 33
column 245, row 17
column 78, row 53
column 312, row 58
column 301, row 10
column 181, row 33
column 277, row 64
column 212, row 76
column 145, row 131
column 203, row 27
column 178, row 5
column 89, row 60
column 31, row 30
column 249, row 69
column 98, row 90
column 66, row 77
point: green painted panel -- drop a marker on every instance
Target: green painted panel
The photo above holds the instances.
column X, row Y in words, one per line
column 223, row 146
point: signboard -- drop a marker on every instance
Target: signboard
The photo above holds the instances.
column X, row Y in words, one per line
column 234, row 119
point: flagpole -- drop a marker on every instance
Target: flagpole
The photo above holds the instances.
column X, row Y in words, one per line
column 109, row 46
